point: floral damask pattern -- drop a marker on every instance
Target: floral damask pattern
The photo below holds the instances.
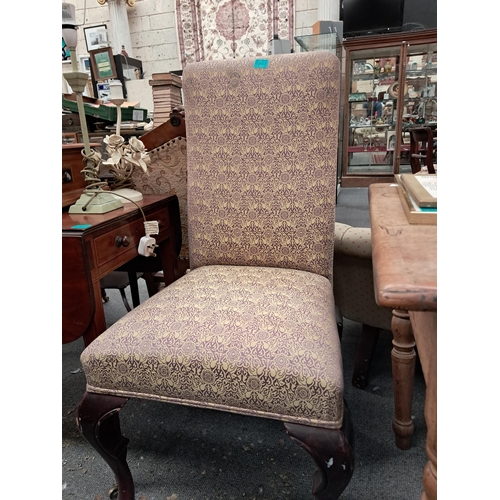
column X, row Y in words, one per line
column 167, row 172
column 256, row 341
column 220, row 29
column 251, row 328
column 262, row 161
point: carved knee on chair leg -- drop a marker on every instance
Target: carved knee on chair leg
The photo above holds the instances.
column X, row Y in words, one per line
column 98, row 420
column 333, row 452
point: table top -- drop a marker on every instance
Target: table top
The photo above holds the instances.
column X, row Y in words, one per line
column 404, row 255
column 71, row 220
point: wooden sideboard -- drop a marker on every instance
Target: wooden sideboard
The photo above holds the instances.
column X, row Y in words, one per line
column 93, row 245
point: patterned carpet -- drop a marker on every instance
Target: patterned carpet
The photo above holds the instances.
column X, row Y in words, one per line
column 221, row 29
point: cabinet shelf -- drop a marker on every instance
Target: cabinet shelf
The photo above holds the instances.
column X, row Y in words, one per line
column 418, row 73
column 384, row 126
column 362, row 77
column 373, row 149
column 410, row 74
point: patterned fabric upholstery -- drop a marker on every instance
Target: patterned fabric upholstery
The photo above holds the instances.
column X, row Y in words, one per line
column 251, row 328
column 353, row 277
column 257, row 341
column 166, row 172
column 262, row 162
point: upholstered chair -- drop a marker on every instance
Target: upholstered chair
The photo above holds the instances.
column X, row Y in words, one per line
column 251, row 328
column 354, row 294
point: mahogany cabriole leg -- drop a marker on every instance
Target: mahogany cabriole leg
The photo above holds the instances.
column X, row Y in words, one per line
column 333, row 452
column 98, row 420
column 364, row 355
column 403, row 375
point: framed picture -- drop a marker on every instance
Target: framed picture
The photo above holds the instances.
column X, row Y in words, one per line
column 391, row 140
column 84, row 64
column 103, row 64
column 96, row 37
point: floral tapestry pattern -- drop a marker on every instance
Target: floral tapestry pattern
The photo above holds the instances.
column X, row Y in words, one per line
column 221, row 29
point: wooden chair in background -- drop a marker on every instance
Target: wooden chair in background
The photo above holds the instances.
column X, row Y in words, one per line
column 422, row 149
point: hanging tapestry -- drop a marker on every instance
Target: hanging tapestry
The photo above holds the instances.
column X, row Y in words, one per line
column 221, row 29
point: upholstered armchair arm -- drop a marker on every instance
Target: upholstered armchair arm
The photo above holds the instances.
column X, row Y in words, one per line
column 353, row 277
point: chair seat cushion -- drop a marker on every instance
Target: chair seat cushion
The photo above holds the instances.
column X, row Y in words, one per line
column 251, row 340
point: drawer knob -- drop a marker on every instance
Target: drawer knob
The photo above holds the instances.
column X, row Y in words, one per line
column 122, row 241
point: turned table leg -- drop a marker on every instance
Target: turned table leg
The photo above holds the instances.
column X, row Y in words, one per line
column 424, row 326
column 403, row 375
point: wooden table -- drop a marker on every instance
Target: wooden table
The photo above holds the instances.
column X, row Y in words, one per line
column 405, row 275
column 111, row 241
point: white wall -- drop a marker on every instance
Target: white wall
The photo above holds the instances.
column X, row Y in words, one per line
column 153, row 29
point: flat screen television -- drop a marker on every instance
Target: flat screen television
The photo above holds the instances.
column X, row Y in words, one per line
column 367, row 17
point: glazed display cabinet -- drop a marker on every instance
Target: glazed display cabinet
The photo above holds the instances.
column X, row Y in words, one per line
column 390, row 87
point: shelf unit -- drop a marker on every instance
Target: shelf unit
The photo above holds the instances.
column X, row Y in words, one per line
column 376, row 142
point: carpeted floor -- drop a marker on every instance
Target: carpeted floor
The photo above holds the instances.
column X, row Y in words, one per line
column 181, row 453
column 352, row 207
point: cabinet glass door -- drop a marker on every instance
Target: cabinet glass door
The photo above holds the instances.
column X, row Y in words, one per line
column 419, row 104
column 372, row 111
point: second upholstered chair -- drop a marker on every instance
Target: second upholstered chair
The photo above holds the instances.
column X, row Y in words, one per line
column 251, row 328
column 354, row 294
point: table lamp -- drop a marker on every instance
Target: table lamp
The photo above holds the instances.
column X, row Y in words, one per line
column 94, row 200
column 123, row 158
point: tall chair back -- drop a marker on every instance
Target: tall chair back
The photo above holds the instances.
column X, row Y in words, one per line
column 258, row 156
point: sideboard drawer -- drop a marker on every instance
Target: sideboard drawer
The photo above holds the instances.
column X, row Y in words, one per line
column 121, row 240
column 126, row 238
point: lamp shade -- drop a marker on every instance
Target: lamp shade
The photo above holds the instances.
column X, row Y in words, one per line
column 69, row 26
column 115, row 89
column 70, row 36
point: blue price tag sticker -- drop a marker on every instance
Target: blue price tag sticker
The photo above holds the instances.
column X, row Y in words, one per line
column 261, row 63
column 81, row 226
